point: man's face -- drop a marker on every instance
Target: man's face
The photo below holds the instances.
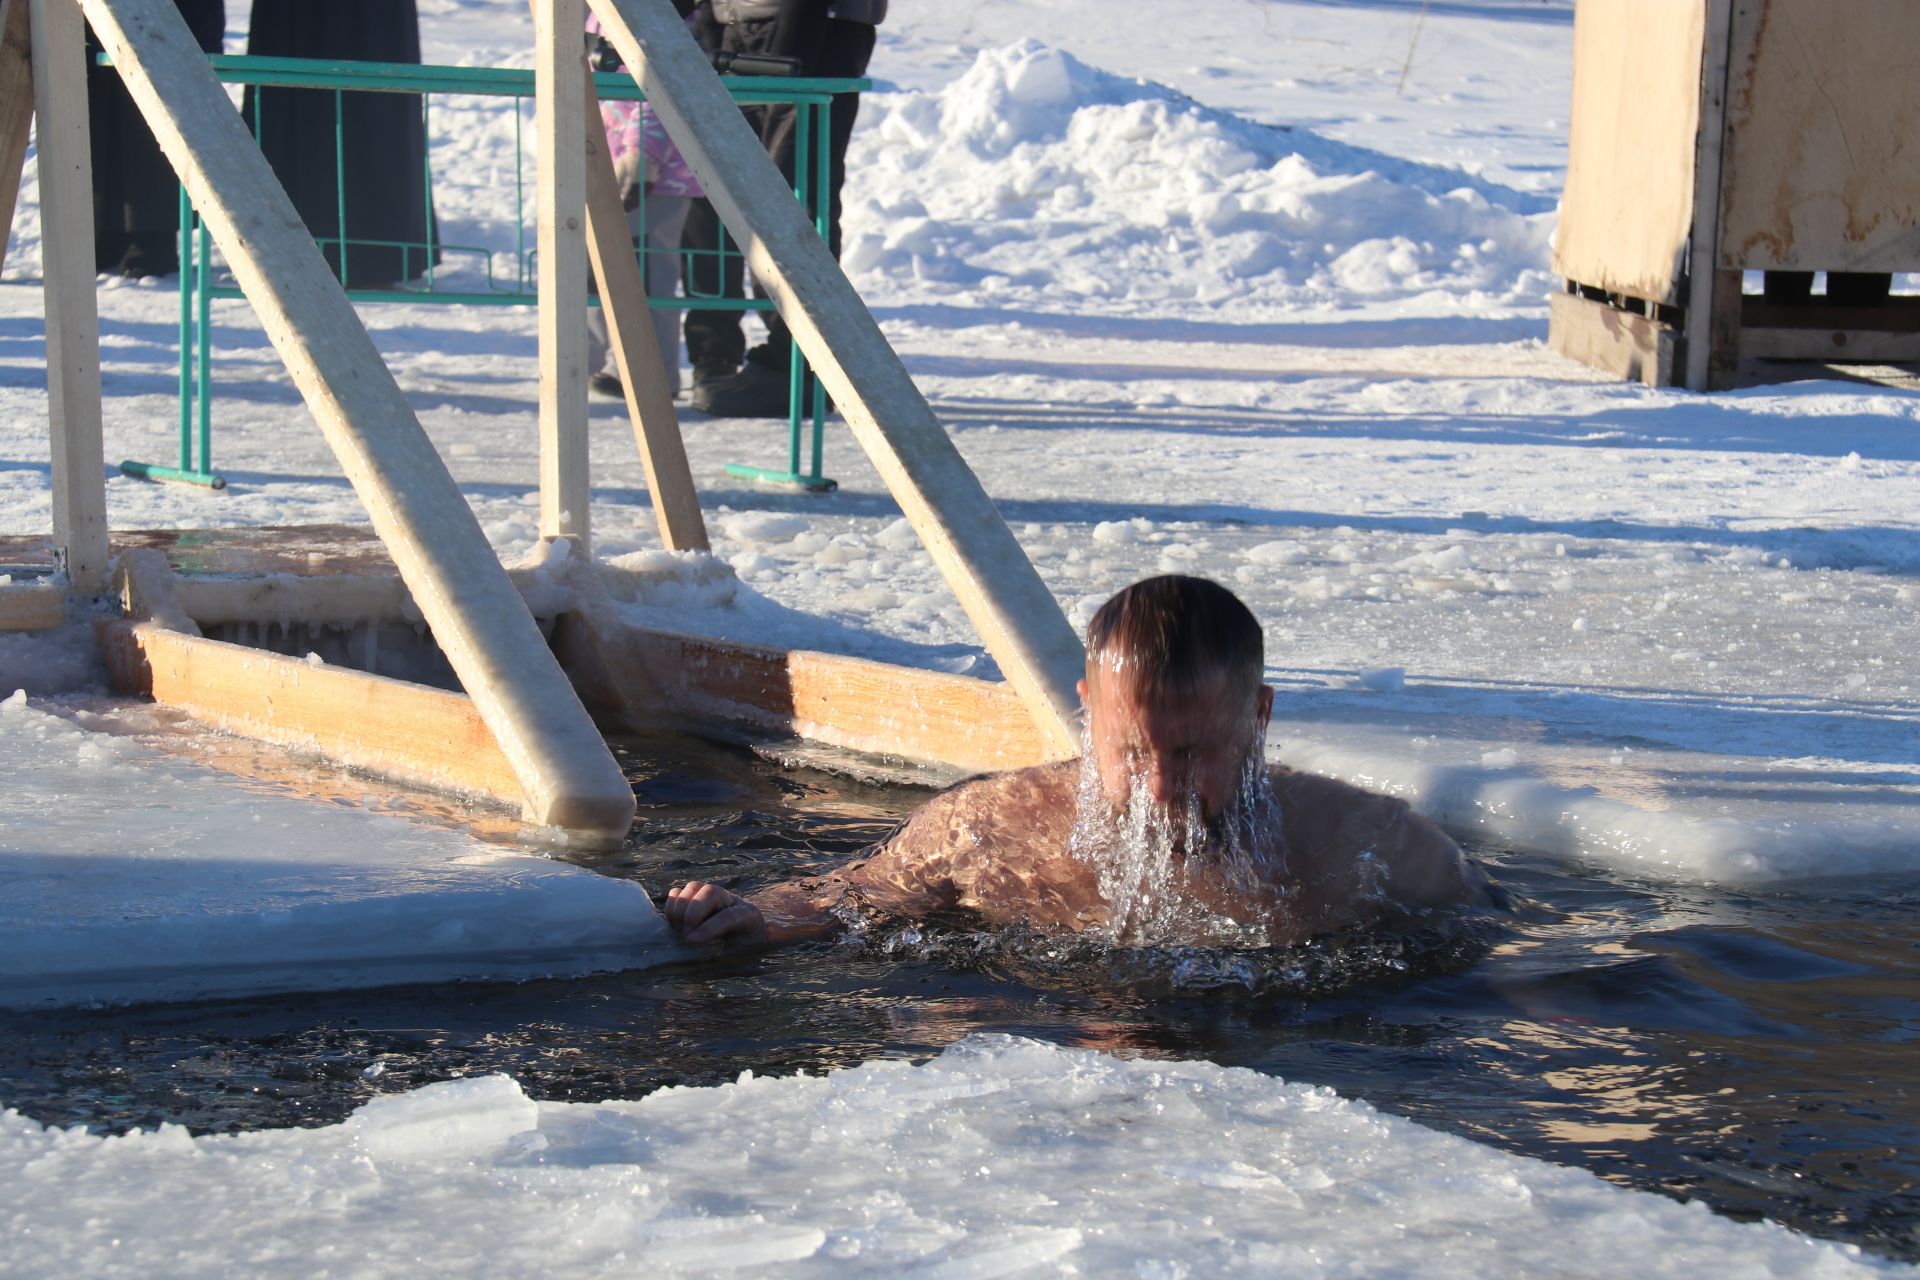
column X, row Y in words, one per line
column 1177, row 747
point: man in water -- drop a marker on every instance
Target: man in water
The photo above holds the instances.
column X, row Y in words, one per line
column 1170, row 827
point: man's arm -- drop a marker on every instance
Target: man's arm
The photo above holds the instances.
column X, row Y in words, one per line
column 907, row 875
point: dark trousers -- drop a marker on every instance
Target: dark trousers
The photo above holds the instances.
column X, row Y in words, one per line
column 715, row 343
column 136, row 197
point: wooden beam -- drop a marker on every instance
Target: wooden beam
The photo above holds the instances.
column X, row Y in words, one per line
column 636, row 352
column 567, row 776
column 560, row 130
column 16, row 110
column 1619, row 342
column 1831, row 346
column 1708, row 292
column 73, row 317
column 32, row 606
column 924, row 716
column 1016, row 616
column 421, row 736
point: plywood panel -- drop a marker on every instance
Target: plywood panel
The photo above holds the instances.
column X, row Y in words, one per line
column 1628, row 207
column 1823, row 166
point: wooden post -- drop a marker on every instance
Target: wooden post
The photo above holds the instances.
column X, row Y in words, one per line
column 16, row 110
column 560, row 72
column 567, row 776
column 1713, row 295
column 1017, row 617
column 73, row 318
column 636, row 352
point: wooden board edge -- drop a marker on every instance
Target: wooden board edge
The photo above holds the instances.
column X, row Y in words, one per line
column 417, row 735
column 1830, row 346
column 876, row 708
column 1630, row 346
column 32, row 606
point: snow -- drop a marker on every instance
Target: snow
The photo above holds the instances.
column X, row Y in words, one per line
column 1000, row 1157
column 134, row 876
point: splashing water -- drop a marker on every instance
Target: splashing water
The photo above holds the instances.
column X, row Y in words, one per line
column 1151, row 857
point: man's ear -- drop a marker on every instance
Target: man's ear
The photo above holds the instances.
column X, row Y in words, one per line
column 1265, row 701
column 1080, row 688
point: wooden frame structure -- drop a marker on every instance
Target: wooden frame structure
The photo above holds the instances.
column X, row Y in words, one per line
column 516, row 730
column 1717, row 137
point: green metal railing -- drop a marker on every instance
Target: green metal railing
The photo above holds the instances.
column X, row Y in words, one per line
column 812, row 100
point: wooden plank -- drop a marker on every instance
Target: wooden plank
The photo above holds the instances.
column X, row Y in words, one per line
column 32, row 606
column 636, row 352
column 1831, row 346
column 874, row 707
column 1824, row 106
column 638, row 676
column 421, row 736
column 1628, row 201
column 1898, row 314
column 1723, row 329
column 16, row 110
column 1016, row 616
column 560, row 131
column 287, row 601
column 568, row 777
column 73, row 318
column 1618, row 342
column 1713, row 315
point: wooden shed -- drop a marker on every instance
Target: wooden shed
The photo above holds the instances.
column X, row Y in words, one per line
column 1713, row 138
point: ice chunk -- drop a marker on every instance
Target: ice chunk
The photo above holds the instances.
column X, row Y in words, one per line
column 1277, row 553
column 1383, row 679
column 762, row 528
column 459, row 1119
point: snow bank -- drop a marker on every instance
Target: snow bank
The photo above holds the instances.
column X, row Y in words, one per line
column 129, row 875
column 1034, row 176
column 1505, row 803
column 1000, row 1157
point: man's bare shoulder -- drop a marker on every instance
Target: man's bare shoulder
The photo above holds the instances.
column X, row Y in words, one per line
column 1317, row 794
column 1015, row 804
column 1339, row 827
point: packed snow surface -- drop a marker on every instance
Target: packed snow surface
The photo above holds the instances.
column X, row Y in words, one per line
column 1000, row 1157
column 132, row 875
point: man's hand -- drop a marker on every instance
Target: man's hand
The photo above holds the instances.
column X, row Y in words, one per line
column 701, row 912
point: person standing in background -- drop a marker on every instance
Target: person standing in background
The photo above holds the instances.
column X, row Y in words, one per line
column 385, row 136
column 827, row 38
column 656, row 187
column 136, row 197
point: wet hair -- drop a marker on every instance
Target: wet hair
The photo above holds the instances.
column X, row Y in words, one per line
column 1176, row 635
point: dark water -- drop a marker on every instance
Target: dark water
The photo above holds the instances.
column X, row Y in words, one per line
column 1752, row 1049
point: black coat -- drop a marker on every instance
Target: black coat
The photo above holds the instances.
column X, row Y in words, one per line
column 385, row 134
column 136, row 197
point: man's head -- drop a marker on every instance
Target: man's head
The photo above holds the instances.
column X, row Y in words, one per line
column 1173, row 692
